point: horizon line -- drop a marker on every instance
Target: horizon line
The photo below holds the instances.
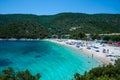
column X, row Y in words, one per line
column 56, row 13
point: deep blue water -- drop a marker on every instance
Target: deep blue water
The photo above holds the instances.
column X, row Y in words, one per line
column 52, row 61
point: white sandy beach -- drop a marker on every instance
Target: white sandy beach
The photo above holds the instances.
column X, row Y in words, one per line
column 95, row 53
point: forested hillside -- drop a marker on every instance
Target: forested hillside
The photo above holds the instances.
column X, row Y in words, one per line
column 34, row 26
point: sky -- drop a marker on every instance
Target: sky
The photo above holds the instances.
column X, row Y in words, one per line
column 50, row 7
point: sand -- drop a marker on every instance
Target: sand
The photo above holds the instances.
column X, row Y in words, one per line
column 99, row 56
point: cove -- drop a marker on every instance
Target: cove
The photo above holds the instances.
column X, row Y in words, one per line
column 52, row 61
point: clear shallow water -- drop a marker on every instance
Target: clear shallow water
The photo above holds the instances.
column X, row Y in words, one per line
column 52, row 61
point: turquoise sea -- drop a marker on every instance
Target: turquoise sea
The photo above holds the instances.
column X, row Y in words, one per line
column 52, row 61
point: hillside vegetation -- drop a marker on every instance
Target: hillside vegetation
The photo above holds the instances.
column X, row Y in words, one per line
column 108, row 72
column 10, row 74
column 34, row 26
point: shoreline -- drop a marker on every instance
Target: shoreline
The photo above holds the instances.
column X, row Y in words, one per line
column 96, row 55
column 99, row 56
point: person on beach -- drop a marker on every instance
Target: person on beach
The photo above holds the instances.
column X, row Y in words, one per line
column 107, row 50
column 104, row 50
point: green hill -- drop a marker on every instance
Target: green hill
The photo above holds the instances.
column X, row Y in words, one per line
column 34, row 26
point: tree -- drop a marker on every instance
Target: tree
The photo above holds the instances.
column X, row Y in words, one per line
column 9, row 74
column 76, row 76
column 95, row 36
column 108, row 72
column 106, row 38
column 117, row 63
column 78, row 35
